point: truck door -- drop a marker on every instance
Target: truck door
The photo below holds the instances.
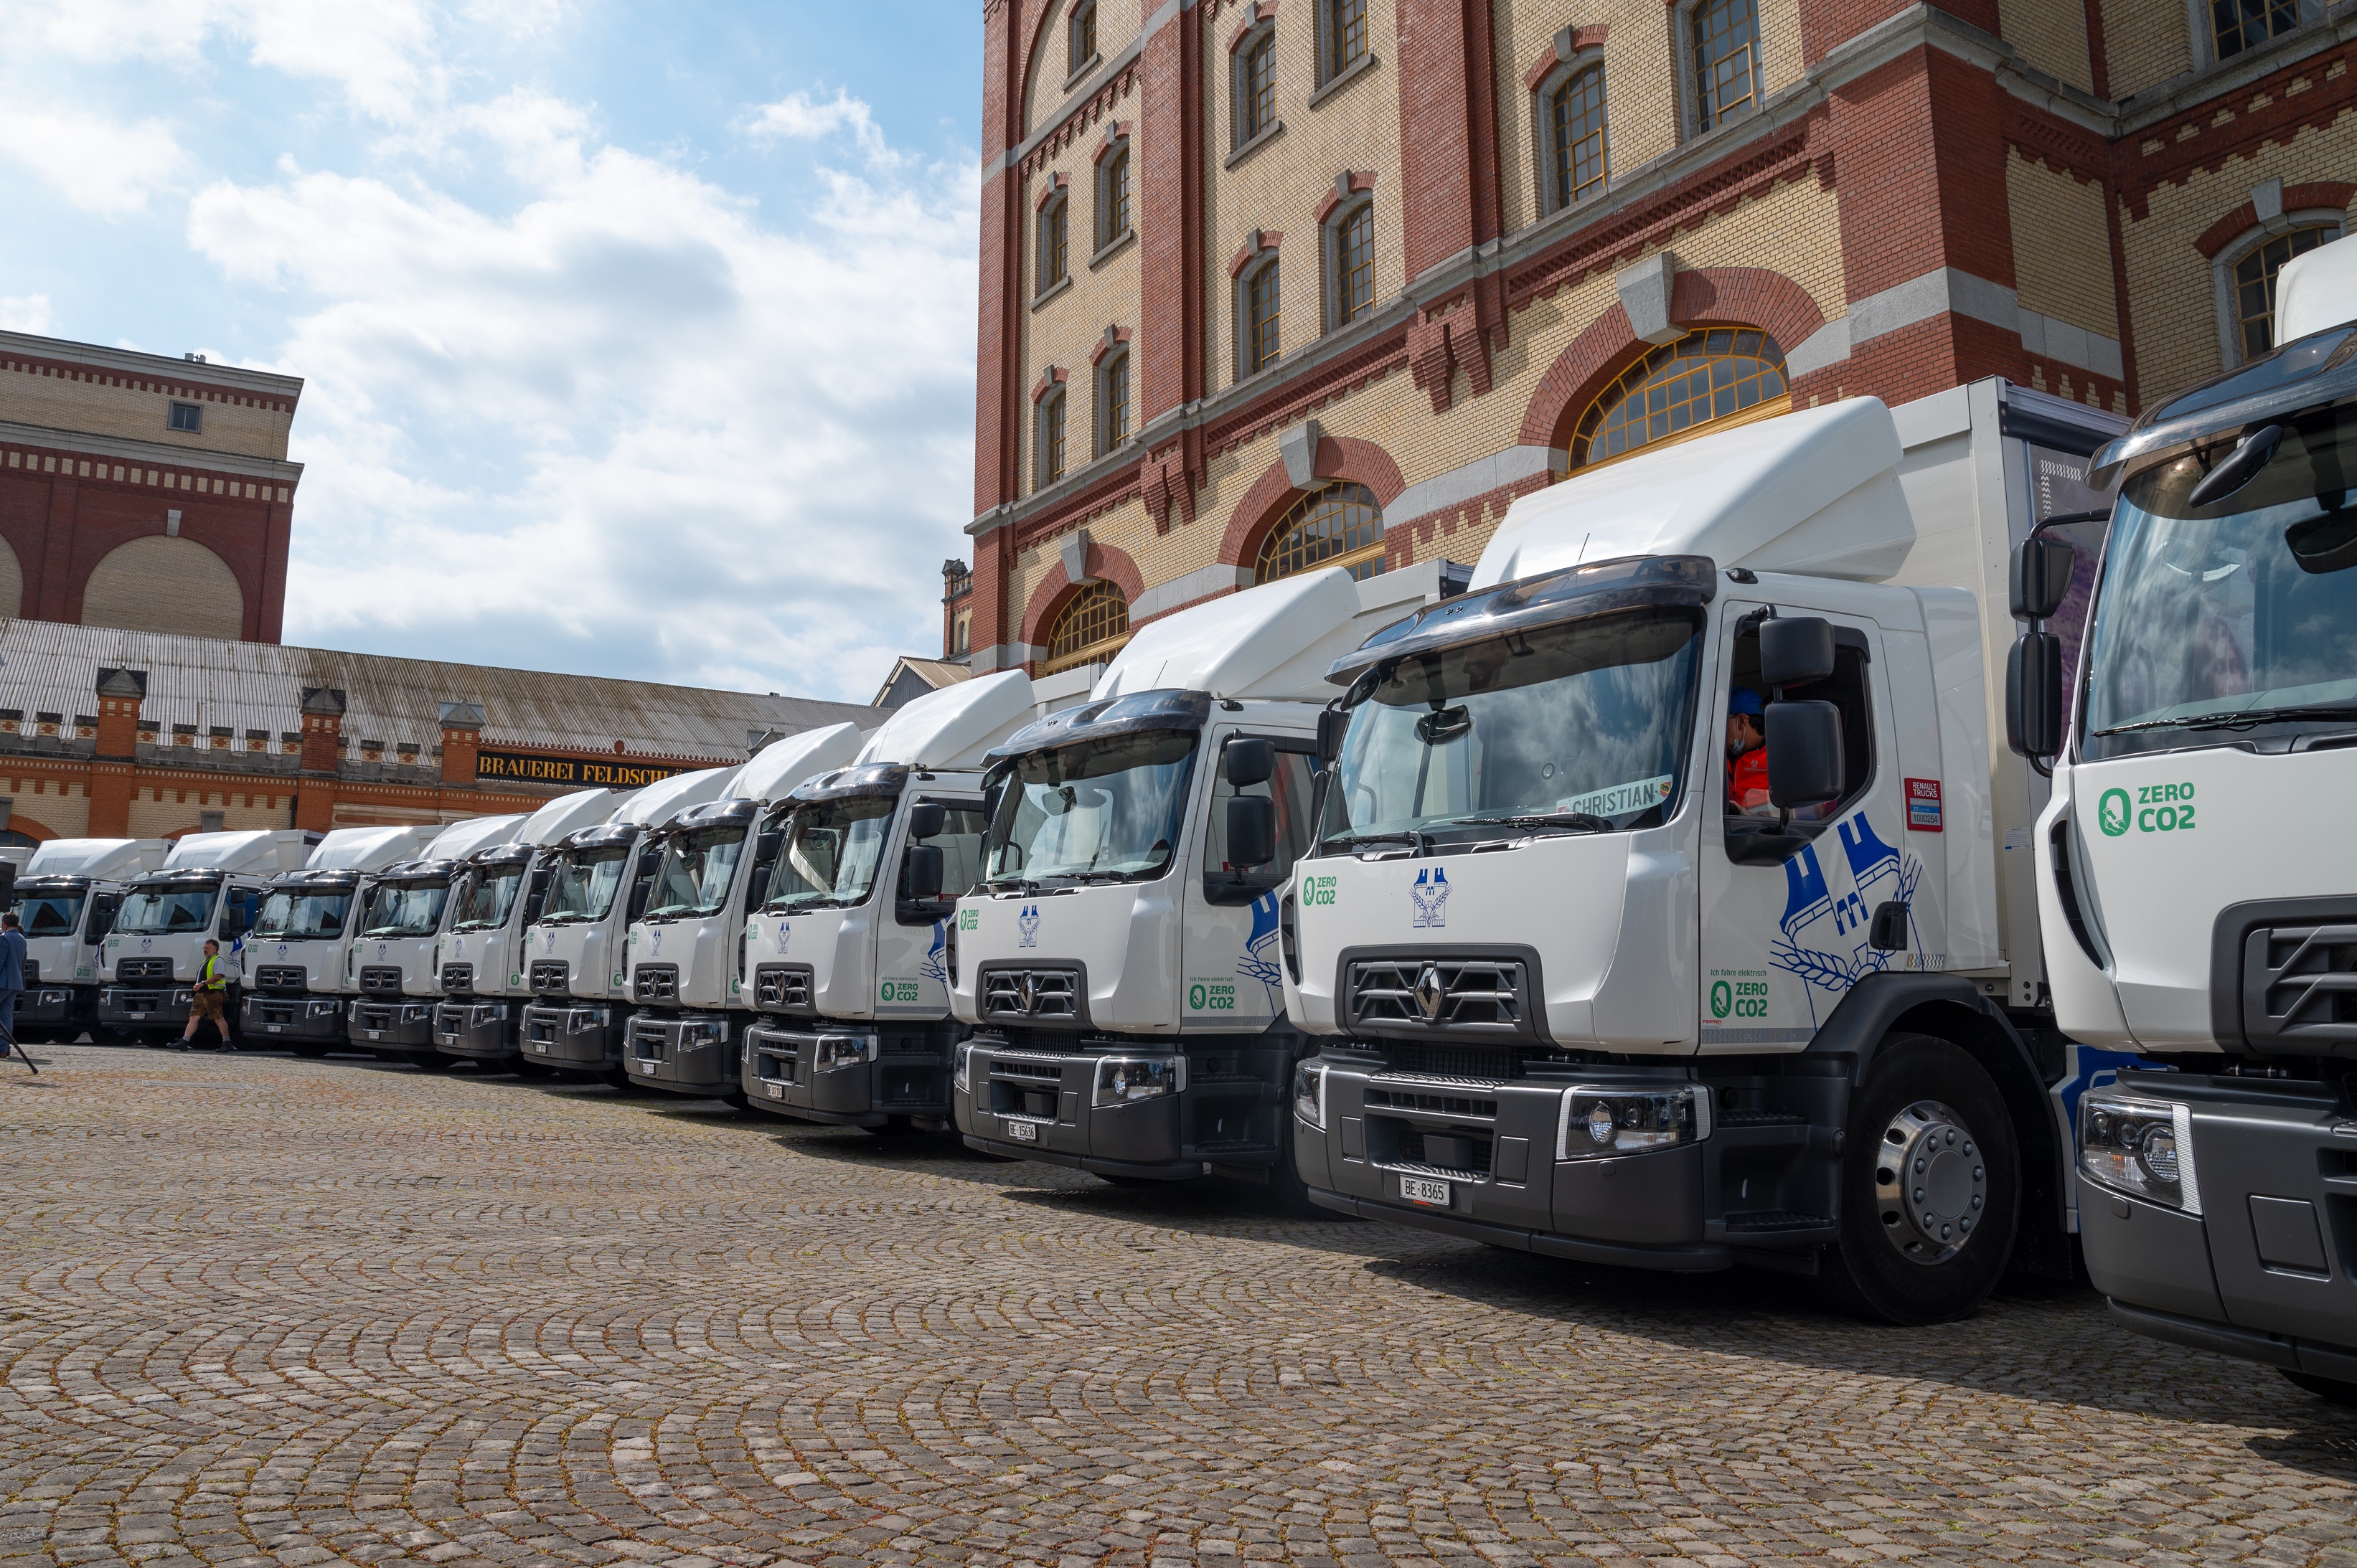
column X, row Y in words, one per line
column 1785, row 935
column 1229, row 940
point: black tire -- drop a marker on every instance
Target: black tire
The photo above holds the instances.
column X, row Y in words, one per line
column 1901, row 1258
column 427, row 1061
column 2332, row 1390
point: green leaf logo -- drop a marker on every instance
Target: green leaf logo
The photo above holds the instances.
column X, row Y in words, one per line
column 1722, row 999
column 2111, row 812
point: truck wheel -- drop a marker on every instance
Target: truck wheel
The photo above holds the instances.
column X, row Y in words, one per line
column 426, row 1061
column 1930, row 1186
column 2328, row 1388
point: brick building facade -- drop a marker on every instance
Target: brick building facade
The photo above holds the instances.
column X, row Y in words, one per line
column 1274, row 283
column 144, row 493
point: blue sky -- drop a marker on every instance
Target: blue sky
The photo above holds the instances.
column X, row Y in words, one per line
column 639, row 340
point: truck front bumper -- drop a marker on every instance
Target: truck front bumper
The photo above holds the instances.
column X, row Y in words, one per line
column 1157, row 1109
column 686, row 1053
column 55, row 1007
column 304, row 1018
column 1478, row 1159
column 476, row 1031
column 575, row 1036
column 397, row 1026
column 143, row 1008
column 852, row 1074
column 2267, row 1269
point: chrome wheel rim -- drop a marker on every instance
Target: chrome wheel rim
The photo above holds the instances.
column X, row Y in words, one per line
column 1930, row 1183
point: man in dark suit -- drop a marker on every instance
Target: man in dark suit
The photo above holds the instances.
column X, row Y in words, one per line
column 12, row 973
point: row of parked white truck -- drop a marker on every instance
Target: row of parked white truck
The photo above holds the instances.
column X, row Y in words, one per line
column 1426, row 900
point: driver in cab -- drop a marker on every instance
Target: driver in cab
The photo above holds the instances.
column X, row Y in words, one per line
column 1747, row 755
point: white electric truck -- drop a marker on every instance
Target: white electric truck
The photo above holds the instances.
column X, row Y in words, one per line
column 599, row 880
column 847, row 950
column 395, row 983
column 2198, row 907
column 686, row 945
column 296, row 959
column 1118, row 959
column 209, row 888
column 480, row 958
column 65, row 898
column 1595, row 977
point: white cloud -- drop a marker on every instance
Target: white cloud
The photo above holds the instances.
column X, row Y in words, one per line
column 25, row 312
column 101, row 166
column 797, row 117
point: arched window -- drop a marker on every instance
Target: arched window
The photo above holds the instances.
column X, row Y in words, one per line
column 1258, row 341
column 1344, row 24
column 1113, row 196
column 1089, row 630
column 1725, row 61
column 1080, row 40
column 2254, row 282
column 1340, row 525
column 1255, row 84
column 1575, row 121
column 1710, row 374
column 11, row 838
column 1055, row 242
column 1050, row 438
column 1112, row 402
column 1350, row 250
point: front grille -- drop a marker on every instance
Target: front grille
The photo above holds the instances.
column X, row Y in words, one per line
column 775, row 1060
column 782, row 988
column 655, row 983
column 457, row 977
column 144, row 969
column 1440, row 1104
column 1032, row 995
column 279, row 977
column 1481, row 1064
column 375, row 1015
column 2299, row 986
column 647, row 1042
column 380, row 977
column 550, row 974
column 1400, row 1145
column 1480, row 994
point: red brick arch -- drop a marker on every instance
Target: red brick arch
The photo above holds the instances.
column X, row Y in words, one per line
column 1749, row 297
column 1056, row 589
column 1338, row 457
column 20, row 822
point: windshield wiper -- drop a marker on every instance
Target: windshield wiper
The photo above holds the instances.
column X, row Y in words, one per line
column 1415, row 836
column 1570, row 821
column 2242, row 719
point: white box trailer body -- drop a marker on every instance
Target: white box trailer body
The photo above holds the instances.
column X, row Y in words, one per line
column 1119, row 972
column 1667, row 1020
column 298, row 966
column 209, row 888
column 393, row 957
column 65, row 896
column 2195, row 915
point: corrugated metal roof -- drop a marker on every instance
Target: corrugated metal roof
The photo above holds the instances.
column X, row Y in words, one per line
column 48, row 666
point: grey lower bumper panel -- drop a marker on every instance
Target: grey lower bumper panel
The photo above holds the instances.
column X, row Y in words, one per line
column 393, row 1025
column 1705, row 1259
column 1177, row 1170
column 2336, row 1361
column 298, row 1018
column 476, row 1030
column 575, row 1036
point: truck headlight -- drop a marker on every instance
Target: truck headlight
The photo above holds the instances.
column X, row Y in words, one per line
column 2139, row 1146
column 411, row 1013
column 1309, row 1094
column 843, row 1051
column 963, row 1052
column 1599, row 1119
column 1124, row 1080
column 488, row 1012
column 324, row 1009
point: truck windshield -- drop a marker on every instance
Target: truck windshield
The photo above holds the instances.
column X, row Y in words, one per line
column 2215, row 621
column 832, row 849
column 583, row 887
column 48, row 914
column 305, row 917
column 1584, row 726
column 695, row 873
column 489, row 896
column 159, row 911
column 1104, row 809
column 408, row 909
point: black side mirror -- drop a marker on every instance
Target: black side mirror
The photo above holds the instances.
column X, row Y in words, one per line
column 1333, row 723
column 925, row 820
column 1888, row 931
column 2041, row 576
column 925, row 873
column 2033, row 695
column 1805, row 753
column 1251, row 762
column 1796, row 650
column 1252, row 831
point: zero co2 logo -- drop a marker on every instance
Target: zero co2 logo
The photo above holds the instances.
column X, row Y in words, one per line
column 2156, row 809
column 1744, row 999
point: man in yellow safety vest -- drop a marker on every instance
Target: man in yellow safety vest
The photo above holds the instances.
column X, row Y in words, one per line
column 208, row 1000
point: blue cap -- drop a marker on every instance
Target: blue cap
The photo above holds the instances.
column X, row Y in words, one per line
column 1745, row 701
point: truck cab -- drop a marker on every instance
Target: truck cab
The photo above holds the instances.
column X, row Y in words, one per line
column 209, row 888
column 847, row 950
column 1117, row 961
column 393, row 961
column 578, row 1019
column 65, row 898
column 296, row 957
column 2199, row 911
column 498, row 896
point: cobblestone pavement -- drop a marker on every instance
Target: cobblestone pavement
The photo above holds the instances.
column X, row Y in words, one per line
column 266, row 1310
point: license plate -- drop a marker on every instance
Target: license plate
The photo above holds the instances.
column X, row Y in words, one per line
column 374, row 1033
column 276, row 1029
column 1417, row 1189
column 776, row 1091
column 137, row 1014
column 646, row 1067
column 541, row 1046
column 1023, row 1132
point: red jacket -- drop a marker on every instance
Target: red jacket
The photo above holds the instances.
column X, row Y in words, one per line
column 1747, row 779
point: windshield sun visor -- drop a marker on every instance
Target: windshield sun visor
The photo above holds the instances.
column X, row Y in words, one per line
column 886, row 779
column 2309, row 373
column 1162, row 709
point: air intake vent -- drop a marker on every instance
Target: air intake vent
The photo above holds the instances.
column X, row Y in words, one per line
column 2299, row 986
column 1482, row 996
column 381, row 978
column 144, row 969
column 1031, row 995
column 550, row 976
column 655, row 983
column 782, row 988
column 457, row 977
column 279, row 977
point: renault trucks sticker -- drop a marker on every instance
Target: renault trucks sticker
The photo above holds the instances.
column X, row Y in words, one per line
column 1429, row 895
column 2156, row 809
column 1824, row 932
column 1026, row 920
column 1924, row 806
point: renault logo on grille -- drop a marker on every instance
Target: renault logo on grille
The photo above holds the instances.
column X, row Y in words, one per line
column 1431, row 996
column 1027, row 991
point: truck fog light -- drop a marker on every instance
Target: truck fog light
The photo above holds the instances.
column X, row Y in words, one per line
column 836, row 1051
column 1597, row 1119
column 2139, row 1146
column 1309, row 1094
column 964, row 1055
column 1124, row 1080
